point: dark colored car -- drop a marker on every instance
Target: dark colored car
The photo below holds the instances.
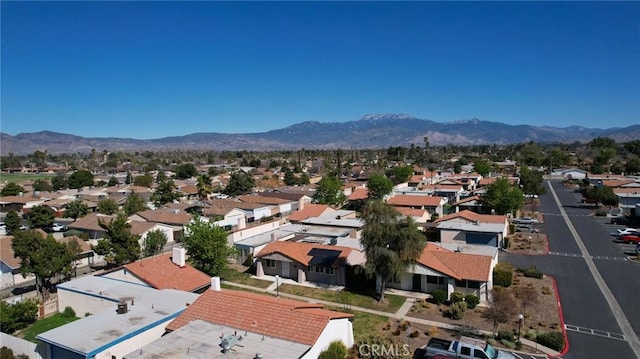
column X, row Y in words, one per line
column 620, row 220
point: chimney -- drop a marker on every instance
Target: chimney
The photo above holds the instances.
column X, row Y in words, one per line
column 273, row 237
column 215, row 283
column 178, row 258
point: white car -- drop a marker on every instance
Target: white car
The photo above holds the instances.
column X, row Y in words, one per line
column 625, row 231
column 57, row 227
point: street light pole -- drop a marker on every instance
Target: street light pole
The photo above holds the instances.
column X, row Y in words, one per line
column 520, row 319
column 277, row 286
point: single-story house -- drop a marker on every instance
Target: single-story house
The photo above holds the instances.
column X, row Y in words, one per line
column 309, row 211
column 434, row 205
column 466, row 227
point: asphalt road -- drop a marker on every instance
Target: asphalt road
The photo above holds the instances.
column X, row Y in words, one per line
column 593, row 331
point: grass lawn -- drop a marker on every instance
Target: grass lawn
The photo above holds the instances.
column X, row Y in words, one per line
column 23, row 177
column 366, row 325
column 233, row 275
column 391, row 304
column 43, row 325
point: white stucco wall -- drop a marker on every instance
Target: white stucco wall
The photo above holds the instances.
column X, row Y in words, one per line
column 337, row 329
column 253, row 231
column 261, row 212
column 451, row 236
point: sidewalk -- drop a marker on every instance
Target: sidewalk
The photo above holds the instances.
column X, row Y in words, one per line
column 400, row 314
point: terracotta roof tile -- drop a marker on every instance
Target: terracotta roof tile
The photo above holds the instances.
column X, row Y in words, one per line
column 456, row 265
column 309, row 211
column 166, row 216
column 161, row 273
column 301, row 251
column 84, row 246
column 6, row 253
column 616, row 182
column 359, row 194
column 281, row 318
column 466, row 200
column 415, row 200
column 263, row 200
column 626, row 190
column 410, row 212
column 443, row 187
column 90, row 222
column 474, row 217
column 138, row 227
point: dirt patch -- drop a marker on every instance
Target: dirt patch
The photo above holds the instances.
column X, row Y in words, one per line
column 528, row 243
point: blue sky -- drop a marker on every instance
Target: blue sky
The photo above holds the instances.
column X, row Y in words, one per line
column 155, row 69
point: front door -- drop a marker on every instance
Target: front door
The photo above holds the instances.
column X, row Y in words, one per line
column 285, row 269
column 417, row 283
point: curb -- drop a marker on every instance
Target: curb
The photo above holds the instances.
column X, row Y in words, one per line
column 564, row 328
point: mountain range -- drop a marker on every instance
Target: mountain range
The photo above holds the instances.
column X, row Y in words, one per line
column 370, row 131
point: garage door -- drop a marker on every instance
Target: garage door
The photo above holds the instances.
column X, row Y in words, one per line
column 486, row 239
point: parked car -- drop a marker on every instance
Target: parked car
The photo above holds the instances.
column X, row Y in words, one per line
column 525, row 220
column 625, row 231
column 465, row 348
column 620, row 220
column 526, row 228
column 630, row 238
column 57, row 227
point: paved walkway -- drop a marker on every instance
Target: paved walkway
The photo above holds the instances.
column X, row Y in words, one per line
column 400, row 314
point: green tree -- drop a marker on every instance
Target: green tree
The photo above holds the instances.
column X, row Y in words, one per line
column 107, row 206
column 165, row 193
column 154, row 243
column 531, row 181
column 329, row 191
column 632, row 166
column 11, row 189
column 76, row 209
column 134, row 204
column 206, row 245
column 59, row 182
column 43, row 257
column 204, row 186
column 600, row 194
column 481, row 167
column 186, row 170
column 40, row 217
column 633, row 147
column 42, row 185
column 161, row 176
column 379, row 186
column 119, row 245
column 18, row 315
column 128, row 179
column 391, row 243
column 146, row 180
column 457, row 167
column 400, row 174
column 80, row 178
column 240, row 182
column 113, row 182
column 12, row 221
column 289, row 178
column 502, row 197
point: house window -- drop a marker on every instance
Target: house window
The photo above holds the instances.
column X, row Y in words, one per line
column 461, row 283
column 310, row 269
column 473, row 284
column 318, row 269
column 330, row 271
column 271, row 263
column 435, row 280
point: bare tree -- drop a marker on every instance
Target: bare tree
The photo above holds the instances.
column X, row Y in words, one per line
column 528, row 297
column 502, row 307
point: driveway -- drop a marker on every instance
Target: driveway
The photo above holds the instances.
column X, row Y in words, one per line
column 591, row 324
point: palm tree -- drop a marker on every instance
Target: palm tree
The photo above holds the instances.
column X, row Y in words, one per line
column 204, row 186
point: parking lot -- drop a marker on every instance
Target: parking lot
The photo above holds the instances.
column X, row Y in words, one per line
column 605, row 223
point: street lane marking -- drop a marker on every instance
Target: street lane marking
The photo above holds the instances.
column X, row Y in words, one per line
column 619, row 259
column 618, row 313
column 576, row 255
column 564, row 254
column 596, row 332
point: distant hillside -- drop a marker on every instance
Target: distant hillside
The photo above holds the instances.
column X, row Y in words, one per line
column 371, row 131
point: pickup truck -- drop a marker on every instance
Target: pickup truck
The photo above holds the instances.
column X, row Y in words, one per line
column 464, row 348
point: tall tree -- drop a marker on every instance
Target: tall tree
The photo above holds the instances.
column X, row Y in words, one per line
column 400, row 174
column 145, row 180
column 186, row 170
column 240, row 182
column 119, row 246
column 206, row 245
column 531, row 181
column 379, row 186
column 12, row 221
column 329, row 191
column 204, row 186
column 43, row 257
column 76, row 209
column 502, row 197
column 600, row 194
column 134, row 204
column 59, row 182
column 391, row 243
column 11, row 189
column 481, row 167
column 113, row 182
column 165, row 193
column 42, row 185
column 107, row 206
column 40, row 217
column 153, row 243
column 80, row 178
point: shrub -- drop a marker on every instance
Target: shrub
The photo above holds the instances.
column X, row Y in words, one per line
column 553, row 340
column 506, row 243
column 456, row 297
column 471, row 300
column 601, row 213
column 415, row 334
column 432, row 331
column 503, row 275
column 439, row 296
column 336, row 350
column 505, row 334
column 456, row 311
column 508, row 344
column 68, row 312
column 532, row 272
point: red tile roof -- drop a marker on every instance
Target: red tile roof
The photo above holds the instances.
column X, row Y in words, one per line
column 280, row 318
column 443, row 187
column 456, row 265
column 415, row 200
column 90, row 222
column 161, row 273
column 410, row 212
column 166, row 216
column 300, row 251
column 309, row 211
column 138, row 227
column 6, row 253
column 474, row 217
column 626, row 190
column 263, row 200
column 616, row 182
column 359, row 194
column 468, row 199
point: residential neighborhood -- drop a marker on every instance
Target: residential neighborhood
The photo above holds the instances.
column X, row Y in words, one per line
column 148, row 270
